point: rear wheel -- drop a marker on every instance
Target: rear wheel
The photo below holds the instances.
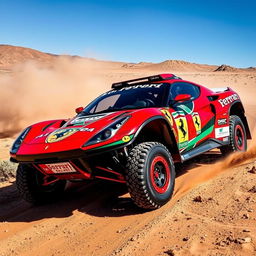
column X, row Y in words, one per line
column 30, row 181
column 237, row 133
column 150, row 175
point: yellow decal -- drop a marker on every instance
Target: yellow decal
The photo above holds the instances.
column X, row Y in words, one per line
column 197, row 122
column 182, row 127
column 126, row 138
column 60, row 135
column 167, row 115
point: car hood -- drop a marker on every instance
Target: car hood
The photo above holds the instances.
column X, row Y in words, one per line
column 70, row 136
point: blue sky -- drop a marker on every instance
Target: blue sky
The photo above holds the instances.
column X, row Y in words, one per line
column 212, row 32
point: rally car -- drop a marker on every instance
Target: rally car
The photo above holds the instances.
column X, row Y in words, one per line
column 132, row 134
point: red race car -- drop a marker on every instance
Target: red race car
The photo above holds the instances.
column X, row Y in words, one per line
column 132, row 134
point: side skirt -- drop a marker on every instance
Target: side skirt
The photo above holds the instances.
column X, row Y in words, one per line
column 202, row 148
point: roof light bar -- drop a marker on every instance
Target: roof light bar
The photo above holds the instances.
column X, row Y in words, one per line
column 155, row 78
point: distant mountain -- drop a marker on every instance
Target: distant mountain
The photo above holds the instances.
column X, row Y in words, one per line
column 226, row 68
column 12, row 55
column 180, row 65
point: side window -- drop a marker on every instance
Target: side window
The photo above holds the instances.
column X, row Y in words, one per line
column 184, row 88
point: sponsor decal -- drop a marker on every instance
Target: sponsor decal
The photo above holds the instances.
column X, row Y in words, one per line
column 182, row 127
column 167, row 115
column 126, row 138
column 64, row 133
column 222, row 121
column 222, row 132
column 226, row 101
column 81, row 120
column 197, row 122
column 85, row 129
column 116, row 143
column 134, row 87
column 57, row 168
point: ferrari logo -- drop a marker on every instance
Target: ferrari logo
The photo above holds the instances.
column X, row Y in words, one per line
column 197, row 122
column 168, row 116
column 182, row 127
column 60, row 134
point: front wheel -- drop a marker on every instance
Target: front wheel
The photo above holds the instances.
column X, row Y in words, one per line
column 237, row 133
column 150, row 175
column 29, row 182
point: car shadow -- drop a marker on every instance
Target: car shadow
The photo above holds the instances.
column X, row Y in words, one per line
column 98, row 198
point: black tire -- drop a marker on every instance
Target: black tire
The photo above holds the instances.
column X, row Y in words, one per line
column 29, row 184
column 150, row 175
column 237, row 141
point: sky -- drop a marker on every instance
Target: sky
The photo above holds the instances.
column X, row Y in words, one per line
column 207, row 32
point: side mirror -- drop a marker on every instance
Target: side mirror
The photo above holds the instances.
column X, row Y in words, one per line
column 79, row 110
column 183, row 97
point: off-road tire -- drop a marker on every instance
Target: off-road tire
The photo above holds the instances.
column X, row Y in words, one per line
column 237, row 141
column 141, row 184
column 28, row 182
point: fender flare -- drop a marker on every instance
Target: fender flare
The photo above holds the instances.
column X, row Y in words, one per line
column 170, row 132
column 243, row 117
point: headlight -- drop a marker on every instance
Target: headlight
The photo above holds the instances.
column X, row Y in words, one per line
column 108, row 132
column 19, row 140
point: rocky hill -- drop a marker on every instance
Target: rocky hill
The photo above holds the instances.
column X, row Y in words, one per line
column 11, row 55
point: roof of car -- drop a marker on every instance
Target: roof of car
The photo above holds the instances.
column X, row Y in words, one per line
column 148, row 79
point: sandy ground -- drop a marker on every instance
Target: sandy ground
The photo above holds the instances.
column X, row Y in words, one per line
column 213, row 216
column 5, row 145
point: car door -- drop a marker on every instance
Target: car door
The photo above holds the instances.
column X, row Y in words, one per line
column 206, row 116
column 191, row 116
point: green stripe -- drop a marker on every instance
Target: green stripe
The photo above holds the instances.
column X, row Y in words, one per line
column 113, row 143
column 209, row 124
column 185, row 108
column 206, row 130
column 192, row 142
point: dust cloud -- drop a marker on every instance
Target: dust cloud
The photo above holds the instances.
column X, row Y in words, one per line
column 35, row 92
column 199, row 175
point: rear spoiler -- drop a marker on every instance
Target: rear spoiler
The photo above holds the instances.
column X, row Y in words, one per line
column 155, row 78
column 223, row 89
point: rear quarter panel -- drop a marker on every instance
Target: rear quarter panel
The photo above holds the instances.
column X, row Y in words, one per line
column 222, row 106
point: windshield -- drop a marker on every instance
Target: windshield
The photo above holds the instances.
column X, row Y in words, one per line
column 139, row 96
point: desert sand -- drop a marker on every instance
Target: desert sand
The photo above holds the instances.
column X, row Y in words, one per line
column 213, row 211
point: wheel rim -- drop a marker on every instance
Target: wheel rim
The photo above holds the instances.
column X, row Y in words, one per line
column 239, row 137
column 160, row 174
